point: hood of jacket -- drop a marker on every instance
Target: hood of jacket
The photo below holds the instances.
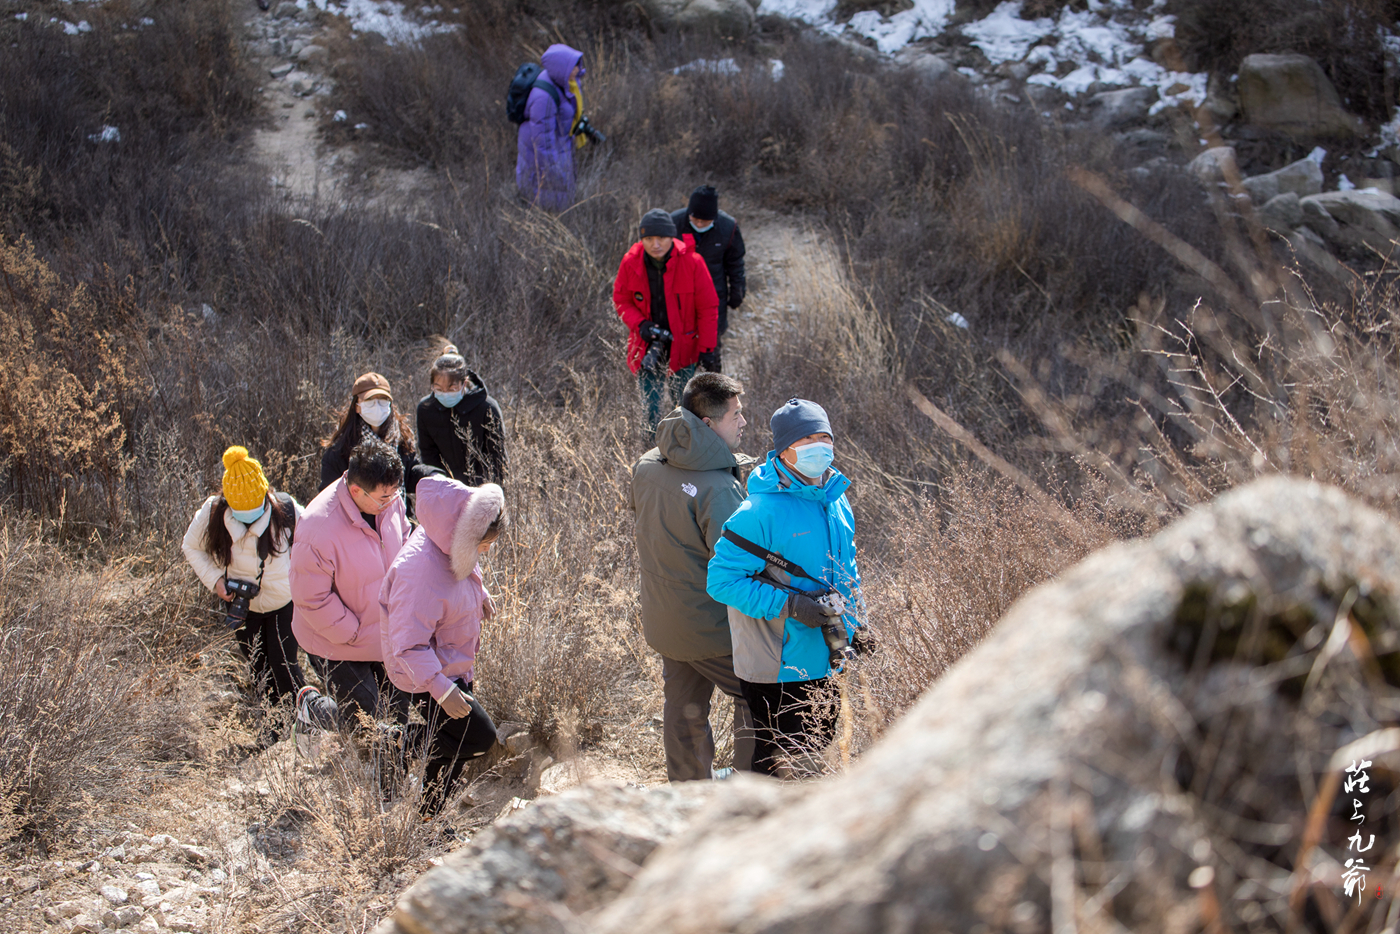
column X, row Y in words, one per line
column 558, row 60
column 685, row 441
column 773, row 476
column 455, row 517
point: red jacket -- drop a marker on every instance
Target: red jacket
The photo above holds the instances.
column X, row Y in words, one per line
column 691, row 304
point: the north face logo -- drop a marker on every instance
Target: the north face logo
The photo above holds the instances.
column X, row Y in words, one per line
column 689, row 489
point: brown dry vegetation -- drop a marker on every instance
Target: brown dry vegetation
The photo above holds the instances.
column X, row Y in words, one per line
column 1090, row 368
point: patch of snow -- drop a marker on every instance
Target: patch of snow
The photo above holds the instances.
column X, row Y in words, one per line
column 812, row 12
column 147, row 21
column 722, row 66
column 776, row 68
column 1003, row 36
column 74, row 29
column 340, row 117
column 388, row 18
column 925, row 19
column 1390, row 132
column 1345, row 184
column 1317, row 155
column 21, row 16
column 1163, row 27
column 362, row 126
column 108, row 134
column 956, row 320
column 967, row 72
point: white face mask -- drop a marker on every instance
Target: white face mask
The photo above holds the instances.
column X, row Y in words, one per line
column 376, row 411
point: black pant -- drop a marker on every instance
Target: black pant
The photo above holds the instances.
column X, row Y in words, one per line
column 268, row 643
column 449, row 744
column 786, row 722
column 356, row 686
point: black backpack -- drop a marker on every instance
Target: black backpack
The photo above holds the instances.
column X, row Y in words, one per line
column 527, row 78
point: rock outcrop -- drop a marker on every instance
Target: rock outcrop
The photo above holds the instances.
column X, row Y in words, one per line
column 543, row 868
column 1291, row 94
column 1302, row 178
column 1125, row 747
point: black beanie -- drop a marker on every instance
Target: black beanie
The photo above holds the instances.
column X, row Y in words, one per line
column 657, row 223
column 704, row 203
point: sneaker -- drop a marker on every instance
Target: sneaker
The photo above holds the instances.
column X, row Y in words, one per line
column 720, row 775
column 305, row 733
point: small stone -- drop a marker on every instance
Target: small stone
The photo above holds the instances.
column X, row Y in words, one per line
column 162, row 840
column 183, row 924
column 194, row 854
column 519, row 743
column 128, row 915
column 312, row 55
column 84, row 924
column 286, row 10
column 148, row 925
column 26, row 884
column 281, row 70
column 147, row 887
column 114, row 895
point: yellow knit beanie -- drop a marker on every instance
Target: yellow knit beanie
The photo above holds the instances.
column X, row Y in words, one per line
column 245, row 487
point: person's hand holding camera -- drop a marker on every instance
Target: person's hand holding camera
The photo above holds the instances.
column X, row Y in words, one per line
column 807, row 611
column 649, row 331
column 221, row 591
column 456, row 703
column 710, row 362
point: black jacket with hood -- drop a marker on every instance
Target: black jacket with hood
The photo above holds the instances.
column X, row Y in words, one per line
column 467, row 441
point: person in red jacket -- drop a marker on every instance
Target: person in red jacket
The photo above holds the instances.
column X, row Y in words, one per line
column 664, row 294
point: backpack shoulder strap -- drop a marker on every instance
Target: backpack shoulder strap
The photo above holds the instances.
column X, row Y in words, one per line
column 549, row 88
column 291, row 507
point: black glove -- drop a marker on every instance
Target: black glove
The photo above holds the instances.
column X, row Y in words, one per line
column 806, row 611
column 649, row 331
column 709, row 361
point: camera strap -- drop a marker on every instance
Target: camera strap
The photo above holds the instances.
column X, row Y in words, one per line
column 773, row 558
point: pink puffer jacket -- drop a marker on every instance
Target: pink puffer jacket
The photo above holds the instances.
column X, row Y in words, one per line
column 338, row 564
column 433, row 599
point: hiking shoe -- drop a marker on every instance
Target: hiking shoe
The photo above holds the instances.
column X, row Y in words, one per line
column 305, row 733
column 720, row 775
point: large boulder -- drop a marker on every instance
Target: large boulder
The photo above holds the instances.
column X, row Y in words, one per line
column 1291, row 94
column 734, row 18
column 1283, row 212
column 1303, row 178
column 1368, row 209
column 1136, row 745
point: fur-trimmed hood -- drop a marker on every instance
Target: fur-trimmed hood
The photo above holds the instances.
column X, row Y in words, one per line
column 455, row 518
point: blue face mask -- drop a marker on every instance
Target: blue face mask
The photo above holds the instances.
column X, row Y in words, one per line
column 698, row 229
column 249, row 516
column 813, row 459
column 449, row 399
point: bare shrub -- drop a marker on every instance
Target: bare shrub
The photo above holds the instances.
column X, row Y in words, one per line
column 86, row 664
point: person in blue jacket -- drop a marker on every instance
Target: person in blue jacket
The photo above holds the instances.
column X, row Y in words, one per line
column 796, row 510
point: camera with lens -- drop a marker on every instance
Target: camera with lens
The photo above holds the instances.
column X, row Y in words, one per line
column 834, row 629
column 658, row 352
column 586, row 128
column 242, row 592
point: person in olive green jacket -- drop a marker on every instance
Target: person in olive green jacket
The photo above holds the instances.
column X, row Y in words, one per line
column 683, row 490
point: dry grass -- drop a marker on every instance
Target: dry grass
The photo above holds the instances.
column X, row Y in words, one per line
column 1090, row 369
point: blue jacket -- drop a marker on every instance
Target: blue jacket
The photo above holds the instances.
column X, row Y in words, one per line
column 810, row 526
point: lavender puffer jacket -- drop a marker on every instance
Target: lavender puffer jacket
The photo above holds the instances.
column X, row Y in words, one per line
column 433, row 599
column 544, row 161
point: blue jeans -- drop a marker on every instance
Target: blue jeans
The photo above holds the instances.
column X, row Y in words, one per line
column 654, row 388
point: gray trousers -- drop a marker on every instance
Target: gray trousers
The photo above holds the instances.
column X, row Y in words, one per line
column 685, row 730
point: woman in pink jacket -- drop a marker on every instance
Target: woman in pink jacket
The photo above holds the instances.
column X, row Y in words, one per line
column 433, row 602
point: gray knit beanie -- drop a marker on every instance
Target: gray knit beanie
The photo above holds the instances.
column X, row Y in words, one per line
column 657, row 223
column 795, row 420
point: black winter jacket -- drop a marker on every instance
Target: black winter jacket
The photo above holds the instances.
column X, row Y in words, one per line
column 467, row 441
column 333, row 464
column 722, row 248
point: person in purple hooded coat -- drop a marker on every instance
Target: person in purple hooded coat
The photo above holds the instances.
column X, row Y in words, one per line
column 544, row 161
